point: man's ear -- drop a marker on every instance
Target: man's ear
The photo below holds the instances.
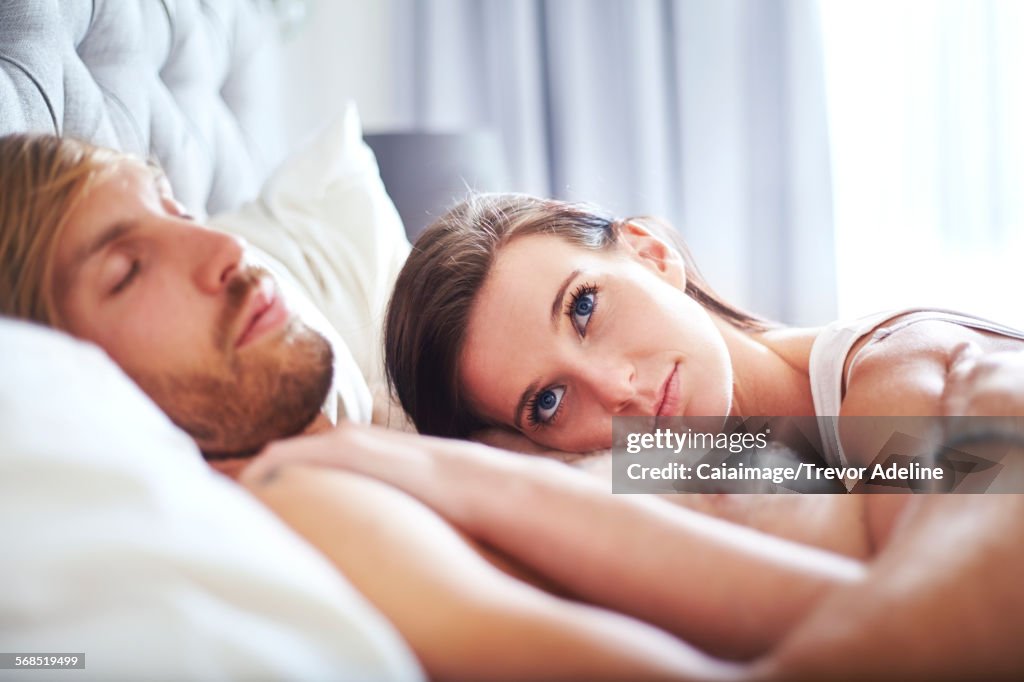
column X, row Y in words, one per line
column 652, row 251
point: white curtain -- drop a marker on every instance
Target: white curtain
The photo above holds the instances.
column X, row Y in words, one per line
column 710, row 113
column 926, row 113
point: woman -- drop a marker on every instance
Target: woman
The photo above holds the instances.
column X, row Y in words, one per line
column 598, row 317
column 548, row 319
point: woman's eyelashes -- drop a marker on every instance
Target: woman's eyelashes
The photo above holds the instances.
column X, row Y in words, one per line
column 543, row 407
column 581, row 307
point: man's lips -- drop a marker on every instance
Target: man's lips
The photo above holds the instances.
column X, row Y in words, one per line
column 265, row 311
column 668, row 400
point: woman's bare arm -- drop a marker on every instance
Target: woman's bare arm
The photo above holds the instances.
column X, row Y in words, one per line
column 728, row 589
column 463, row 618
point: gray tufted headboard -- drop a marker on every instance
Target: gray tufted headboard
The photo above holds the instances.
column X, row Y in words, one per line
column 189, row 82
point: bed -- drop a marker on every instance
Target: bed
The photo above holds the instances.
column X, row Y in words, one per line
column 120, row 545
column 121, row 548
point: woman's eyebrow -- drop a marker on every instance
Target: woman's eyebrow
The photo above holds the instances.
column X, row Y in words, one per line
column 556, row 305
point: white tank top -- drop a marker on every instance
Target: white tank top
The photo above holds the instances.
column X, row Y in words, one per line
column 833, row 344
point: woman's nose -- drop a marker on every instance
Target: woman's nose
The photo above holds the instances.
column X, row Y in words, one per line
column 217, row 256
column 612, row 382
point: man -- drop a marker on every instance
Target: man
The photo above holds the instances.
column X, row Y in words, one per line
column 93, row 242
column 221, row 356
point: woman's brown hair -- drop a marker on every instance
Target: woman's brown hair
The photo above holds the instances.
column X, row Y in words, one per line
column 42, row 177
column 429, row 312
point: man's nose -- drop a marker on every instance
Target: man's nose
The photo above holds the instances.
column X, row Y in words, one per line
column 612, row 382
column 218, row 255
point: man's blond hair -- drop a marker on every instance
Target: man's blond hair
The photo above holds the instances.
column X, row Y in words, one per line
column 42, row 179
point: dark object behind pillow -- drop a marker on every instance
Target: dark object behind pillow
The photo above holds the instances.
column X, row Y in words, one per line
column 426, row 172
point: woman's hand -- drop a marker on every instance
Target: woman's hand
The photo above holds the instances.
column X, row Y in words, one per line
column 444, row 474
column 365, row 450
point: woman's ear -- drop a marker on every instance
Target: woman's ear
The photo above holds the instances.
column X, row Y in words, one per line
column 652, row 251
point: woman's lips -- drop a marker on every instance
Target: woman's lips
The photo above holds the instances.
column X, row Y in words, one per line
column 668, row 404
column 269, row 312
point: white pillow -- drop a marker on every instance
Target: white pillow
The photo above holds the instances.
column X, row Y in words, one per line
column 326, row 216
column 119, row 542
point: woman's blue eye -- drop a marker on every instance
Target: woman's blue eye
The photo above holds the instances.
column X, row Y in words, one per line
column 582, row 306
column 545, row 405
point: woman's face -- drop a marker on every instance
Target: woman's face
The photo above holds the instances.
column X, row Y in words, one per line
column 561, row 339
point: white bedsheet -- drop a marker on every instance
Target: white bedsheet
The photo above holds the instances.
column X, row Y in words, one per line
column 118, row 541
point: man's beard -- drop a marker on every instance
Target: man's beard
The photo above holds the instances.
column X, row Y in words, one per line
column 273, row 391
